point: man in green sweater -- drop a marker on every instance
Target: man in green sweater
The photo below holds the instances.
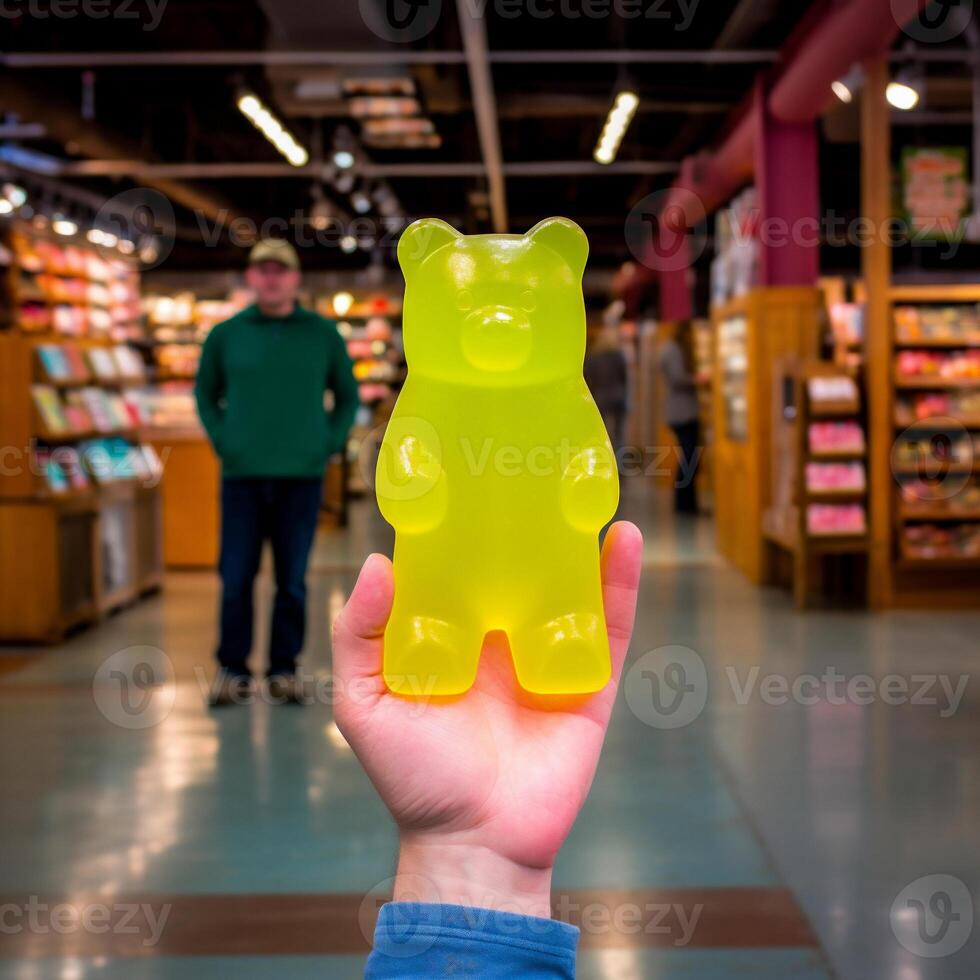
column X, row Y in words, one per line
column 260, row 394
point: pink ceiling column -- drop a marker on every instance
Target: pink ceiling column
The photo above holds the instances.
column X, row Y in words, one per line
column 787, row 180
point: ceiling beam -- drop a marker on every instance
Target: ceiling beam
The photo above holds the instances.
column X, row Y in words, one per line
column 474, row 31
column 184, row 59
column 216, row 171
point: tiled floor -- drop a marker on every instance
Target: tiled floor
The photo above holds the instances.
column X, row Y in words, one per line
column 792, row 826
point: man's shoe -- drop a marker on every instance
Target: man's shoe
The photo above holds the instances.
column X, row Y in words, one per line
column 286, row 689
column 229, row 689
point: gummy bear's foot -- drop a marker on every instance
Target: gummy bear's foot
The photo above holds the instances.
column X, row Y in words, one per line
column 567, row 655
column 425, row 656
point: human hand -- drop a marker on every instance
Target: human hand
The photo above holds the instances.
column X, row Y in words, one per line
column 484, row 786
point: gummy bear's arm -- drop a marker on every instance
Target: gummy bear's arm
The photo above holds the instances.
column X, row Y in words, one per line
column 590, row 482
column 410, row 479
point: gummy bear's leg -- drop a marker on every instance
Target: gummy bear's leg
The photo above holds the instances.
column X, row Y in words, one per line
column 567, row 653
column 431, row 644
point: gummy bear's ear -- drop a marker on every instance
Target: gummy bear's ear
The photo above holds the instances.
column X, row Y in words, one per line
column 566, row 238
column 420, row 239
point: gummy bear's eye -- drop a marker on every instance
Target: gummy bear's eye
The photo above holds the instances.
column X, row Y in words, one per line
column 528, row 302
column 464, row 300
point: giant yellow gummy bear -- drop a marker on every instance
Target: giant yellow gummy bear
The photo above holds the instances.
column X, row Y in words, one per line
column 495, row 470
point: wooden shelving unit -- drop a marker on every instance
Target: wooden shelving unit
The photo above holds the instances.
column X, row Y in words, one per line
column 925, row 412
column 786, row 523
column 68, row 554
column 777, row 322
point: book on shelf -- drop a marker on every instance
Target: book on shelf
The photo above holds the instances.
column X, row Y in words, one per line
column 97, row 404
column 835, row 477
column 834, row 519
column 107, row 460
column 76, row 361
column 129, row 363
column 55, row 478
column 61, row 468
column 54, row 362
column 49, row 408
column 103, row 364
column 154, row 464
column 79, row 419
column 832, row 388
column 835, row 437
column 119, row 411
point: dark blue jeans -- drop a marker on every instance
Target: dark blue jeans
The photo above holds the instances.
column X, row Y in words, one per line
column 284, row 511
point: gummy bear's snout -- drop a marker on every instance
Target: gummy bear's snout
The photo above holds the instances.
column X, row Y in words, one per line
column 497, row 338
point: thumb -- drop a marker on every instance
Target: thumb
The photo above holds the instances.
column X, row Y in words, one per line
column 359, row 629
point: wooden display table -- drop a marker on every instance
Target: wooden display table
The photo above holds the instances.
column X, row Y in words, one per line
column 191, row 491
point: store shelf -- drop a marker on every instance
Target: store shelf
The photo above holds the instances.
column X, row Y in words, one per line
column 834, row 410
column 842, row 456
column 967, row 421
column 950, row 470
column 913, row 383
column 935, row 293
column 938, row 343
column 939, row 561
column 66, row 438
column 941, row 514
column 829, row 496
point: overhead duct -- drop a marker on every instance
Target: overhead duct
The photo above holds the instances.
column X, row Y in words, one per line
column 823, row 48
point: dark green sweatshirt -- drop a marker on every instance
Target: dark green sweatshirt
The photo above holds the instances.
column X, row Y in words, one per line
column 260, row 388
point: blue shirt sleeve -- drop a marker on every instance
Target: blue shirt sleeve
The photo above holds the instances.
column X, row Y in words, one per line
column 413, row 940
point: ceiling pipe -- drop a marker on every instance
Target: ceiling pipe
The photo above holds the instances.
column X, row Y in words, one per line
column 800, row 93
column 313, row 59
column 824, row 47
column 862, row 30
column 474, row 31
column 235, row 169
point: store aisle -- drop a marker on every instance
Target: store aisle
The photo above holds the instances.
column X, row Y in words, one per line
column 786, row 830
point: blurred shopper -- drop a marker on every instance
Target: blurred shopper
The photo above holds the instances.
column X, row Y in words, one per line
column 483, row 789
column 260, row 393
column 681, row 412
column 606, row 375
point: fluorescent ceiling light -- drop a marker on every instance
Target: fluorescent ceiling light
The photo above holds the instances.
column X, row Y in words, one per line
column 617, row 122
column 272, row 129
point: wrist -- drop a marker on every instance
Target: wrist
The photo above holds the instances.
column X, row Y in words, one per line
column 441, row 870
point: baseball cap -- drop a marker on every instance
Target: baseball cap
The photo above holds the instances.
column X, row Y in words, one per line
column 274, row 250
